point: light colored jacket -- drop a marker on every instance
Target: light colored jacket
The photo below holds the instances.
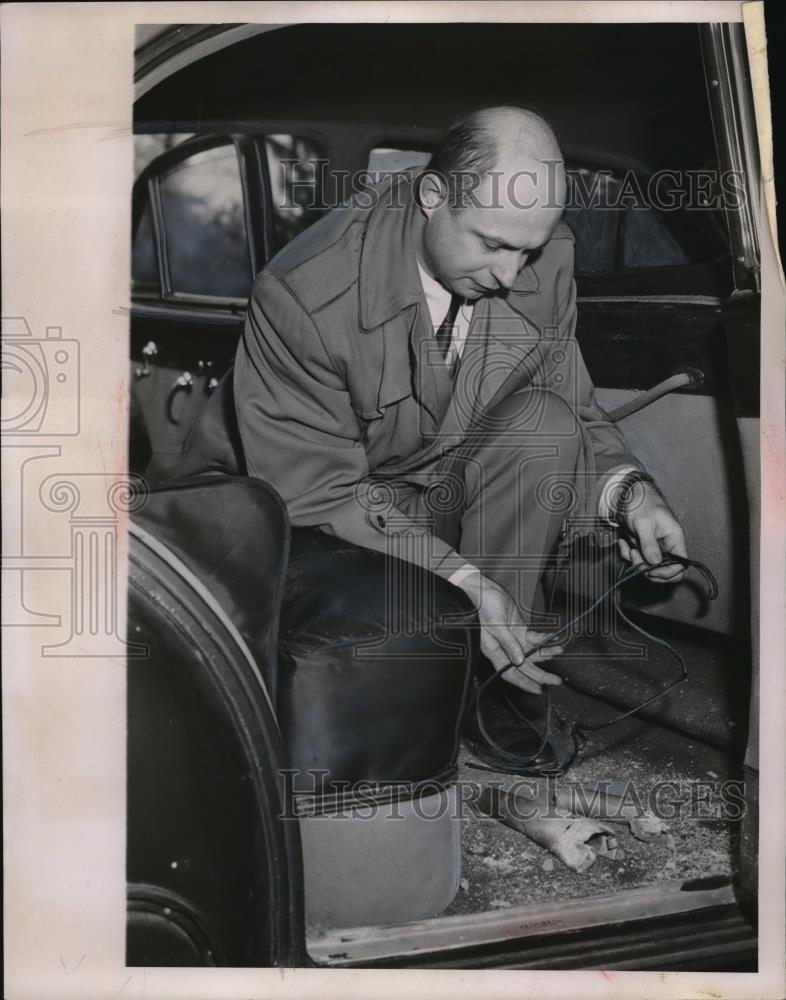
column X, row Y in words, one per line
column 336, row 383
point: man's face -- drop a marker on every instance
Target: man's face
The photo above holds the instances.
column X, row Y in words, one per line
column 479, row 250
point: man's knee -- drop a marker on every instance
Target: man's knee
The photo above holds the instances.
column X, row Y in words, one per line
column 529, row 434
column 533, row 412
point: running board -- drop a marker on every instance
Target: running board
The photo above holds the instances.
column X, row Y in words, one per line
column 483, row 939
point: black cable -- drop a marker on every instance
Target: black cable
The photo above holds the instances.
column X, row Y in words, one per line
column 496, row 757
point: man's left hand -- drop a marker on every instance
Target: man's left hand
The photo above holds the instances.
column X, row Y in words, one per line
column 652, row 531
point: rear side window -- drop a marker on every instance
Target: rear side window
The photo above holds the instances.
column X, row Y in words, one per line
column 617, row 232
column 202, row 203
column 592, row 214
column 144, row 270
column 647, row 241
column 201, row 210
column 386, row 159
column 296, row 165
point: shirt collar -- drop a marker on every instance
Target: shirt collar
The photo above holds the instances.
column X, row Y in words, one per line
column 437, row 296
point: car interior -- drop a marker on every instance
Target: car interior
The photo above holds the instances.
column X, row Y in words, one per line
column 235, row 154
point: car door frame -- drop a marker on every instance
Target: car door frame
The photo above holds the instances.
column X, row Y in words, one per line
column 731, row 103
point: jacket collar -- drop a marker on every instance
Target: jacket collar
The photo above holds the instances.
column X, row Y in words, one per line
column 389, row 279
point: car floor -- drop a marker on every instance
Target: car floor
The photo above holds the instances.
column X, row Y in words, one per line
column 502, row 867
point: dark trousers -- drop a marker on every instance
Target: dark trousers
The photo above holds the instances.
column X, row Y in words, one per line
column 502, row 496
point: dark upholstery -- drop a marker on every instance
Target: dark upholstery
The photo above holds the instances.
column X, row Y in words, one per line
column 374, row 654
column 232, row 532
column 374, row 662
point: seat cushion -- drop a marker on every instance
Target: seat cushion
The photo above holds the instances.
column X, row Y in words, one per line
column 374, row 662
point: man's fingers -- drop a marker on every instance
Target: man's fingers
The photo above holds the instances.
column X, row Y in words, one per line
column 666, row 574
column 513, row 649
column 624, row 548
column 492, row 650
column 514, row 675
column 546, row 654
column 507, row 639
column 547, row 650
column 648, row 543
column 636, row 557
column 528, row 676
column 658, row 574
column 673, row 541
column 531, row 670
column 535, row 638
column 521, row 682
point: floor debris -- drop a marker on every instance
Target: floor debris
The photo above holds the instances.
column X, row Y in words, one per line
column 599, row 803
column 499, row 864
column 576, row 840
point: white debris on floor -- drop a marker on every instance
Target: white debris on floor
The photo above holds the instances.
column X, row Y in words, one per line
column 502, row 867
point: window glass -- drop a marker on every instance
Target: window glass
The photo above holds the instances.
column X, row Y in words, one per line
column 592, row 214
column 647, row 241
column 386, row 160
column 204, row 218
column 296, row 166
column 144, row 272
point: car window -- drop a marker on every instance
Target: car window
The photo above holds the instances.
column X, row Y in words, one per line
column 144, row 270
column 202, row 203
column 295, row 165
column 616, row 232
column 385, row 159
column 203, row 211
column 647, row 241
column 592, row 214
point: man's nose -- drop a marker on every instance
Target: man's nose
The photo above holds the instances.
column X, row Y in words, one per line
column 506, row 267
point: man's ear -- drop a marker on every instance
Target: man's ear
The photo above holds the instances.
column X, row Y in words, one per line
column 431, row 191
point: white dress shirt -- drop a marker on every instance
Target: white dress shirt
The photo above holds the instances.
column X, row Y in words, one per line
column 438, row 302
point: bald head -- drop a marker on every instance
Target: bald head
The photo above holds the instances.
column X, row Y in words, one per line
column 504, row 139
column 517, row 135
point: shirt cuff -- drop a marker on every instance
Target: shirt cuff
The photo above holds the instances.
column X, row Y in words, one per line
column 461, row 573
column 609, row 489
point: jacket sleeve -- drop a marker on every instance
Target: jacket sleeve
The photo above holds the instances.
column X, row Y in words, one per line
column 565, row 373
column 300, row 433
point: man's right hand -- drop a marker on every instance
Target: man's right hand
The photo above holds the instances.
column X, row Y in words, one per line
column 506, row 638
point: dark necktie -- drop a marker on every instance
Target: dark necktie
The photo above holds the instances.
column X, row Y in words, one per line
column 445, row 332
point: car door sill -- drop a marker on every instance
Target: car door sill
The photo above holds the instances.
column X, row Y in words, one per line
column 359, row 946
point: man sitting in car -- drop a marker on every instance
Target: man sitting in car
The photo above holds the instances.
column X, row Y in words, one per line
column 409, row 380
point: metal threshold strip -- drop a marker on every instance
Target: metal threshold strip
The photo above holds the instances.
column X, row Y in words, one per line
column 356, row 946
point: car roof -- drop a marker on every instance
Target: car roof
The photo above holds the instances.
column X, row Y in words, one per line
column 635, row 92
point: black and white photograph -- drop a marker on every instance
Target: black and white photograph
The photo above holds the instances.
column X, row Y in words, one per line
column 426, row 514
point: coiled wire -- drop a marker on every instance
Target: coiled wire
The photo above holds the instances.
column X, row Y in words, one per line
column 494, row 754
